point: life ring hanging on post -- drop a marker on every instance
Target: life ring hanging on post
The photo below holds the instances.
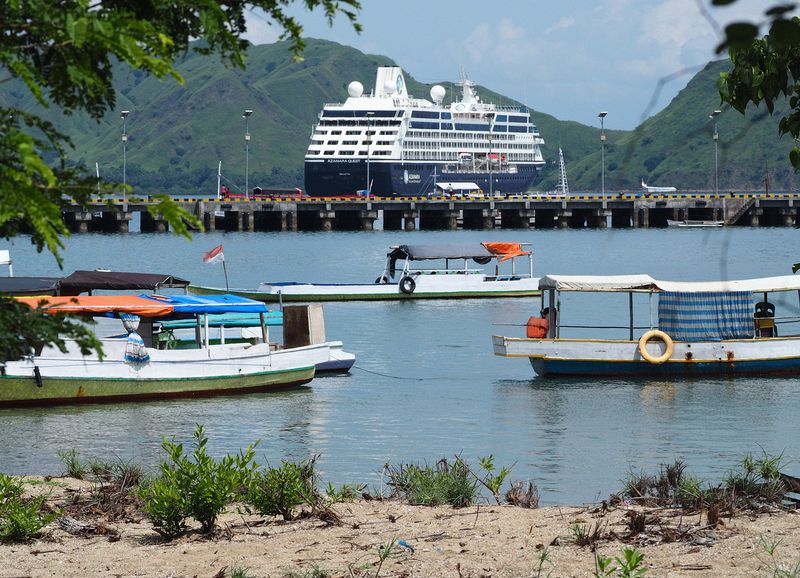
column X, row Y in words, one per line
column 657, row 334
column 407, row 285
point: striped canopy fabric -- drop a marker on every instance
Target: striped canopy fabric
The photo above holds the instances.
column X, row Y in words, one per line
column 706, row 316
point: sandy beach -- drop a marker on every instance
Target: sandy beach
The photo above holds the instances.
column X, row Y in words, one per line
column 477, row 541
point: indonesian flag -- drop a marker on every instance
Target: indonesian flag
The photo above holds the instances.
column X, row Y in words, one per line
column 215, row 255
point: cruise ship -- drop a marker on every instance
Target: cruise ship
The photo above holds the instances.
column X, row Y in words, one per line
column 388, row 143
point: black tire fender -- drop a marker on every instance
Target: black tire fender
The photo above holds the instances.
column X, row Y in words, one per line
column 407, row 285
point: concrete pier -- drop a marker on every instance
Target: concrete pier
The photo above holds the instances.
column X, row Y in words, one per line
column 617, row 210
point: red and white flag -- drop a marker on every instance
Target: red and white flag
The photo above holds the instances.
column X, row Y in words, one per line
column 215, row 255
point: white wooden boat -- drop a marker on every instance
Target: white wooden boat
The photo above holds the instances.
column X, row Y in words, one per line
column 702, row 328
column 695, row 223
column 457, row 277
column 132, row 369
column 225, row 326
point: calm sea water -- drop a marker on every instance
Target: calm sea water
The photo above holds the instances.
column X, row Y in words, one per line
column 426, row 384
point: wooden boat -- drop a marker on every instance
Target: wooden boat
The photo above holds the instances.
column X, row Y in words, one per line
column 702, row 328
column 133, row 369
column 248, row 324
column 695, row 223
column 455, row 279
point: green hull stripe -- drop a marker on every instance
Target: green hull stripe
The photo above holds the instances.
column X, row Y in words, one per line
column 272, row 298
column 15, row 390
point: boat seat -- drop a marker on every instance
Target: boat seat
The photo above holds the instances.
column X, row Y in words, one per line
column 764, row 320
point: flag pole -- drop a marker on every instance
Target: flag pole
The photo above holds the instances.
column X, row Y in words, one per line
column 225, row 269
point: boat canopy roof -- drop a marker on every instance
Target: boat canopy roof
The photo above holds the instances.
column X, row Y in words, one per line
column 99, row 305
column 83, row 281
column 481, row 252
column 423, row 252
column 598, row 282
column 146, row 305
column 29, row 285
column 762, row 285
column 645, row 283
column 208, row 304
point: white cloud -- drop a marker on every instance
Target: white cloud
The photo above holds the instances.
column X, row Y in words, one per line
column 478, row 42
column 562, row 24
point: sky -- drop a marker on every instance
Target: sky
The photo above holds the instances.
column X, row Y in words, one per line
column 567, row 58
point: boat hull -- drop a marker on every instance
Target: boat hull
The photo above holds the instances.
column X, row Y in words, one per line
column 57, row 378
column 335, row 177
column 468, row 287
column 775, row 356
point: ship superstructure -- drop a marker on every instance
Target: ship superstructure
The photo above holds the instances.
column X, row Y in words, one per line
column 391, row 144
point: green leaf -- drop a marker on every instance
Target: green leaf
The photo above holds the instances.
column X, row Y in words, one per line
column 785, row 33
column 780, row 10
column 740, row 34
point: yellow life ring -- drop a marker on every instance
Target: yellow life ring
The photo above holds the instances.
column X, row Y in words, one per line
column 663, row 337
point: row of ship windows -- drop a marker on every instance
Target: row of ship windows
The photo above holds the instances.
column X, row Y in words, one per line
column 360, row 123
column 362, row 113
column 425, row 155
column 350, row 142
column 355, row 132
column 497, row 128
column 483, row 137
column 448, row 116
column 416, row 155
column 379, row 114
column 466, row 145
column 361, row 153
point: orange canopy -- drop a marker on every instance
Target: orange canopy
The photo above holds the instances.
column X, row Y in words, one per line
column 99, row 305
column 507, row 250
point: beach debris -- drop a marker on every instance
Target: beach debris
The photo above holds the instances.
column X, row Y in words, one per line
column 518, row 495
column 78, row 528
column 406, row 545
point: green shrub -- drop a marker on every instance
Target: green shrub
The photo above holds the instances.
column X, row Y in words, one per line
column 20, row 519
column 73, row 467
column 163, row 503
column 446, row 483
column 345, row 493
column 278, row 491
column 630, row 565
column 195, row 486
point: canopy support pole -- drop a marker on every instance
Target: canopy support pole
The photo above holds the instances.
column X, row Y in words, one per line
column 630, row 311
column 264, row 334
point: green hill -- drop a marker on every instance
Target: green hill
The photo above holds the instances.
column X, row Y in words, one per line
column 675, row 147
column 178, row 133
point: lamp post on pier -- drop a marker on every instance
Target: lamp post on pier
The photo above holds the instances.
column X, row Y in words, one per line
column 602, row 115
column 246, row 117
column 124, row 116
column 369, row 143
column 490, row 159
column 714, row 116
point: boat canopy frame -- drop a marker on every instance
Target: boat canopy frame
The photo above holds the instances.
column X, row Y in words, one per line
column 553, row 285
column 481, row 253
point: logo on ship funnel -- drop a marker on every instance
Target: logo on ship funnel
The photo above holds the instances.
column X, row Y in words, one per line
column 399, row 85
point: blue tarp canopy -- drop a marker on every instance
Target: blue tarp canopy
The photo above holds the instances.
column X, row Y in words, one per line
column 271, row 319
column 707, row 315
column 210, row 304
